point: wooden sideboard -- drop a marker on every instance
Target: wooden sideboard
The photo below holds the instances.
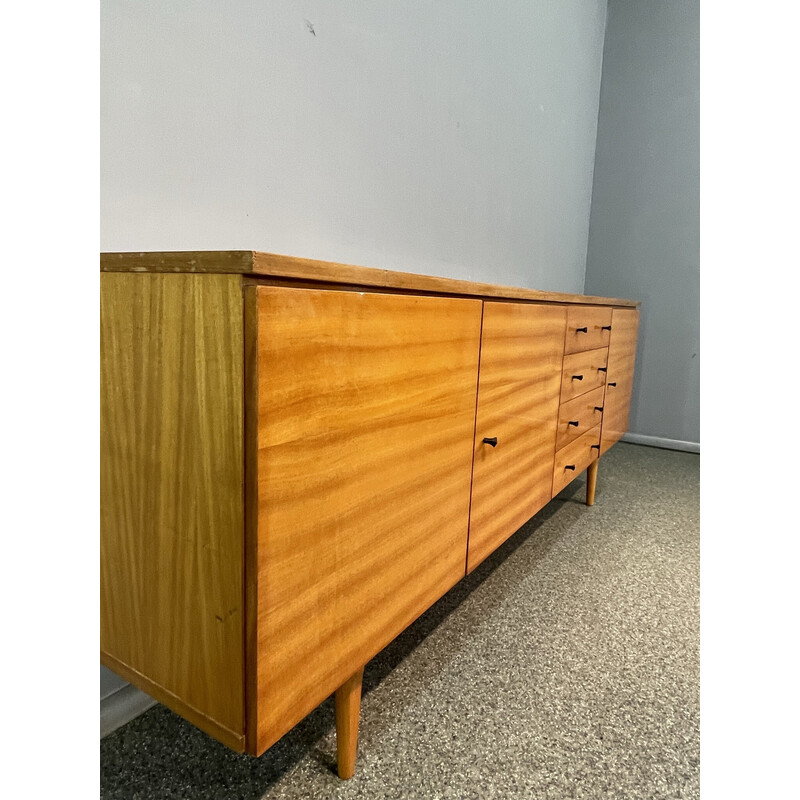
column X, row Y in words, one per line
column 298, row 458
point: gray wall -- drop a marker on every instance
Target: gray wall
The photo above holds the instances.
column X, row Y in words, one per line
column 644, row 238
column 451, row 138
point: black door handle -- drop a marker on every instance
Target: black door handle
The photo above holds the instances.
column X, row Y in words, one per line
column 613, row 384
column 574, row 422
column 577, row 377
column 570, row 466
column 602, row 369
column 491, row 440
column 595, row 447
column 598, row 408
column 581, row 330
column 606, row 328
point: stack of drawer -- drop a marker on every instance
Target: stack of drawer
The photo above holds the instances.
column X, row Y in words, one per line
column 583, row 382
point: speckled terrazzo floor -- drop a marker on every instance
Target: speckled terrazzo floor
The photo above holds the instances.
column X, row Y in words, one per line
column 565, row 666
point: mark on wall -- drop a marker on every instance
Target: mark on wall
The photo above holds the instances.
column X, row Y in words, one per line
column 310, row 26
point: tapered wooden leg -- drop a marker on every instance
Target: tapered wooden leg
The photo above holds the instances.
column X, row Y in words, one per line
column 348, row 708
column 591, row 482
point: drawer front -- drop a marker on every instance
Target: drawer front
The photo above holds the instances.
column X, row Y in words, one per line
column 574, row 458
column 583, row 372
column 588, row 327
column 578, row 416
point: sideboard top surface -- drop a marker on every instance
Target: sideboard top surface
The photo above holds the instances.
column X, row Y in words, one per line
column 270, row 265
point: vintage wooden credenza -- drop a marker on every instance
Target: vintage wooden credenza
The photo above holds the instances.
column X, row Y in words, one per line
column 298, row 458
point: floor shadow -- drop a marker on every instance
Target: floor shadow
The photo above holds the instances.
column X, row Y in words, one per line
column 161, row 755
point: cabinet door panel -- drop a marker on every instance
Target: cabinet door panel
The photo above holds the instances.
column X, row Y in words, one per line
column 366, row 414
column 619, row 385
column 522, row 350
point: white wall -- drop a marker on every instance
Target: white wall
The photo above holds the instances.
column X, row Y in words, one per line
column 450, row 138
column 644, row 240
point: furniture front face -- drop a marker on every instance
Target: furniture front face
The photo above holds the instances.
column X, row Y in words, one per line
column 366, row 414
column 522, row 349
column 621, row 359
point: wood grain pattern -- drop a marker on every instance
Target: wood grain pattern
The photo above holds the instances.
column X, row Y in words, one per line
column 249, row 262
column 171, row 502
column 583, row 372
column 520, row 374
column 578, row 455
column 588, row 327
column 251, row 585
column 583, row 410
column 366, row 414
column 621, row 363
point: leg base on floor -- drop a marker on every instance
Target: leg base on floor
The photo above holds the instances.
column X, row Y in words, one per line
column 348, row 709
column 591, row 482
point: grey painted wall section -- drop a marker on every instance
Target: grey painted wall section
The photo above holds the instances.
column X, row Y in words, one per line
column 644, row 238
column 452, row 138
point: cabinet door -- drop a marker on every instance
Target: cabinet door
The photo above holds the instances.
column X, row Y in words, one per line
column 619, row 378
column 522, row 349
column 366, row 416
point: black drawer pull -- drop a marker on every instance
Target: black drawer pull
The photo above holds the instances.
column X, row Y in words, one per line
column 577, row 377
column 595, row 447
column 581, row 330
column 492, row 441
column 574, row 422
column 606, row 328
column 613, row 384
column 570, row 466
column 602, row 369
column 598, row 408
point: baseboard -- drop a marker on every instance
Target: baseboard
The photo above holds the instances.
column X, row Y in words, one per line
column 122, row 706
column 660, row 441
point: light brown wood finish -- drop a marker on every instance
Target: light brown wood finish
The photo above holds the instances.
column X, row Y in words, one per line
column 171, row 507
column 248, row 262
column 521, row 355
column 250, row 302
column 573, row 459
column 588, row 327
column 591, row 482
column 366, row 414
column 586, row 410
column 583, row 372
column 621, row 361
column 347, row 703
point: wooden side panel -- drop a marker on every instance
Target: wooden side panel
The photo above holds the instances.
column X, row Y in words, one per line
column 366, row 408
column 171, row 507
column 520, row 378
column 619, row 385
